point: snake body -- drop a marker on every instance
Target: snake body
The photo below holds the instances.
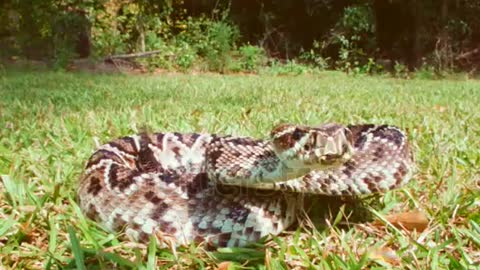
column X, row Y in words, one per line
column 229, row 191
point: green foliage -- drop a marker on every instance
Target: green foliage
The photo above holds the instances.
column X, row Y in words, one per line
column 251, row 57
column 314, row 56
column 354, row 34
column 401, row 71
column 185, row 56
column 63, row 56
column 107, row 40
column 199, row 38
column 163, row 60
column 180, row 56
column 221, row 40
column 195, row 31
column 118, row 28
column 291, row 67
column 371, row 67
column 45, row 29
column 357, row 20
column 426, row 72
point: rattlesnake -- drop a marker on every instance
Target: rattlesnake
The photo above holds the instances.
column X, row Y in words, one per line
column 229, row 191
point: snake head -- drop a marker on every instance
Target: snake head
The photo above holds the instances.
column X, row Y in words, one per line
column 312, row 147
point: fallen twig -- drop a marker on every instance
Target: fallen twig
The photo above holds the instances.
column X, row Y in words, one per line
column 133, row 55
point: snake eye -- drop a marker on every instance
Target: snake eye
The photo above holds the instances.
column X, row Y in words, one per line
column 345, row 149
column 297, row 134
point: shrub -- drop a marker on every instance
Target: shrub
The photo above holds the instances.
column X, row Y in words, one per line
column 251, row 57
column 401, row 70
column 355, row 37
column 314, row 56
column 185, row 56
column 221, row 39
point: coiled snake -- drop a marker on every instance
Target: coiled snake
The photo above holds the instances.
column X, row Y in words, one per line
column 229, row 191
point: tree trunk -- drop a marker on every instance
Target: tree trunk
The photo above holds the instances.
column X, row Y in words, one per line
column 415, row 53
column 443, row 48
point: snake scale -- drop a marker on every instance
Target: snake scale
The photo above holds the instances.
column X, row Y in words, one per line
column 228, row 190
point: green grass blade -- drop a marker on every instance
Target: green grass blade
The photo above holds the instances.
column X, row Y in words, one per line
column 76, row 249
column 152, row 253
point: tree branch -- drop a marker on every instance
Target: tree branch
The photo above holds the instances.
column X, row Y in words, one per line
column 467, row 54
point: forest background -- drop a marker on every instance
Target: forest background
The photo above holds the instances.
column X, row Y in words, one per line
column 367, row 36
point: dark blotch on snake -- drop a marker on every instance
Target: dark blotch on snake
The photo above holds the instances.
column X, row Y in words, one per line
column 94, row 187
column 152, row 197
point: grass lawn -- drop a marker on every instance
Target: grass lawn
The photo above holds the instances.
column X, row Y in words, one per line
column 49, row 123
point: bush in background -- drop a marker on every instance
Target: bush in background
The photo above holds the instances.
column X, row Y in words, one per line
column 251, row 57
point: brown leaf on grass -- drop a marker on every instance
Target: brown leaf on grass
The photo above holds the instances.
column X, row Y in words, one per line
column 385, row 254
column 414, row 220
column 196, row 113
column 225, row 266
column 440, row 108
